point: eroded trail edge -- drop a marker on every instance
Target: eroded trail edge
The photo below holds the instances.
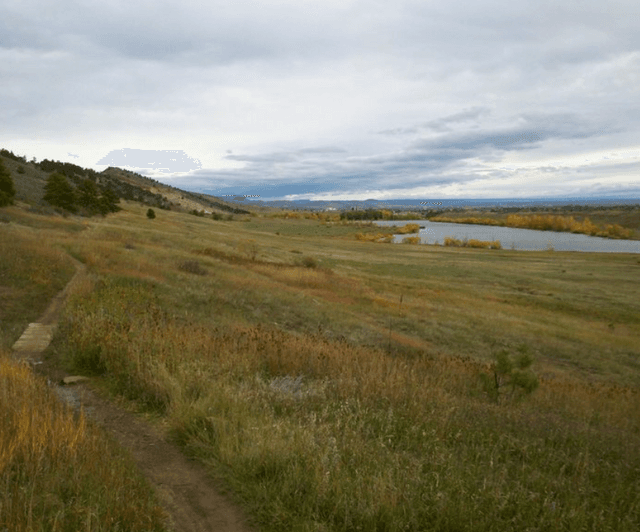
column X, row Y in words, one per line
column 190, row 497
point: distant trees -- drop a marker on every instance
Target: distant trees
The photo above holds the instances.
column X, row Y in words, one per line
column 87, row 196
column 7, row 190
column 369, row 214
column 59, row 193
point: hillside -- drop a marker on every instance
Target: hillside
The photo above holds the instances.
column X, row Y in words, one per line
column 29, row 178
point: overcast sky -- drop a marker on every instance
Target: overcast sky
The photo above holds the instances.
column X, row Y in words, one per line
column 331, row 99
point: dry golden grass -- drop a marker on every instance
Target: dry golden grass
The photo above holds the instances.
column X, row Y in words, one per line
column 392, row 430
column 377, row 237
column 57, row 471
column 408, row 228
column 472, row 243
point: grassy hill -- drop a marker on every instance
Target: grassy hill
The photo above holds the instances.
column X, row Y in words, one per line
column 30, row 177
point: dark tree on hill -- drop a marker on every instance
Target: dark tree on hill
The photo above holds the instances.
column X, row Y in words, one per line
column 7, row 190
column 59, row 193
column 88, row 196
column 109, row 201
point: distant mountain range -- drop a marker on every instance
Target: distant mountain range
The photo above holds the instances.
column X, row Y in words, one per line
column 437, row 204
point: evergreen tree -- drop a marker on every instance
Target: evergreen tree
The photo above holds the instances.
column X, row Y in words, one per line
column 109, row 201
column 59, row 193
column 7, row 190
column 88, row 196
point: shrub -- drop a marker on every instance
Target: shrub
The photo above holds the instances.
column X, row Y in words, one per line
column 409, row 228
column 510, row 377
column 411, row 240
column 192, row 266
column 449, row 241
column 151, row 214
column 309, row 262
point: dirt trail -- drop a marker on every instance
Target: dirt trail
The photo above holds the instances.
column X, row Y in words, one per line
column 188, row 495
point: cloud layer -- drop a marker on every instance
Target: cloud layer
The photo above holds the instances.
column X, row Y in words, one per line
column 326, row 99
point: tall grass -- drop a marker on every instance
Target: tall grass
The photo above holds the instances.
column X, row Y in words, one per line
column 32, row 271
column 277, row 378
column 58, row 472
column 371, row 441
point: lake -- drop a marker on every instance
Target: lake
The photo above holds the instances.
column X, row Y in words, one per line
column 518, row 239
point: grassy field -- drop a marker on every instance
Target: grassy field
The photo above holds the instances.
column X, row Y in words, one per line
column 335, row 384
column 31, row 273
column 57, row 471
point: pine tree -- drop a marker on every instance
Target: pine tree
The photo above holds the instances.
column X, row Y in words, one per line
column 88, row 196
column 59, row 193
column 108, row 201
column 7, row 190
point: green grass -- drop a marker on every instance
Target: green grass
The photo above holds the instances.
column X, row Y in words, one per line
column 387, row 426
column 31, row 272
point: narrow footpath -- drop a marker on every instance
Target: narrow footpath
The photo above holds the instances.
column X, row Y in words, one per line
column 185, row 491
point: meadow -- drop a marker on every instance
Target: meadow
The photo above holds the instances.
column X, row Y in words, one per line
column 335, row 383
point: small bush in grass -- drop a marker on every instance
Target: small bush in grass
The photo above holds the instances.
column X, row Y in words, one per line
column 151, row 214
column 411, row 240
column 309, row 262
column 449, row 241
column 192, row 266
column 510, row 377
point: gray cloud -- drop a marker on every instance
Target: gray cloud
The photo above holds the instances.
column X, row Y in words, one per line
column 336, row 96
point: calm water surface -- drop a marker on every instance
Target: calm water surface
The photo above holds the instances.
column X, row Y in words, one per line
column 519, row 239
